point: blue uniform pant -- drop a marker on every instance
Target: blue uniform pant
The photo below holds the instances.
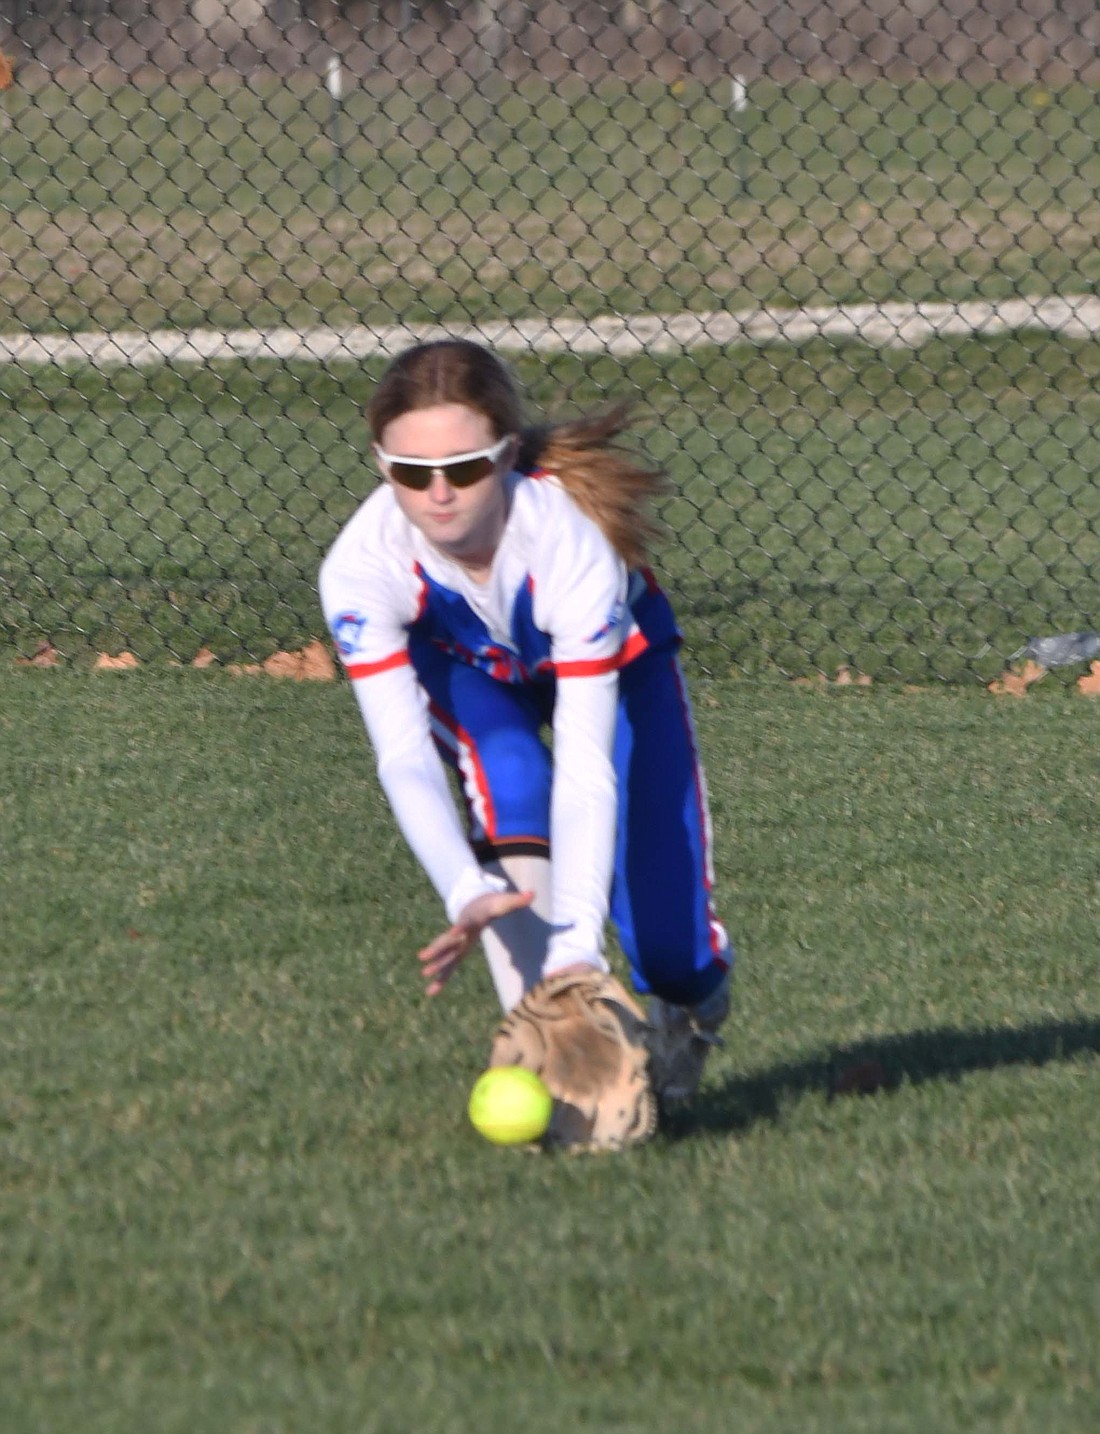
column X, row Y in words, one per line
column 489, row 732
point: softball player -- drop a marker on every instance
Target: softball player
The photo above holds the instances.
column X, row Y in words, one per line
column 492, row 589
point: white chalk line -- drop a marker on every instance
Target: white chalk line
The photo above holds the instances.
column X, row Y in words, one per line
column 892, row 325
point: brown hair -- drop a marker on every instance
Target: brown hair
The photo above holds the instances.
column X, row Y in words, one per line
column 604, row 479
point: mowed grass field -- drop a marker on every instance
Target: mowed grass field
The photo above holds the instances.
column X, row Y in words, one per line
column 916, row 514
column 257, row 202
column 237, row 1190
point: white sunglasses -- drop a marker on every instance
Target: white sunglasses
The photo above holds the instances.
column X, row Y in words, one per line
column 461, row 471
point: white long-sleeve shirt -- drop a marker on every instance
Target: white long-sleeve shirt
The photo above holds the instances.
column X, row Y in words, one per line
column 556, row 603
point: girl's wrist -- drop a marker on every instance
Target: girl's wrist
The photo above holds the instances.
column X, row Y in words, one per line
column 473, row 882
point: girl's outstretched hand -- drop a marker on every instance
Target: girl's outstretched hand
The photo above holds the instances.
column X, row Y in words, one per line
column 440, row 958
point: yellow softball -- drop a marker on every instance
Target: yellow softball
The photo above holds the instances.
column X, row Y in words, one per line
column 510, row 1105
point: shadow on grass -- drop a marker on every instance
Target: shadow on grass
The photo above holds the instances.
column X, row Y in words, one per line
column 882, row 1064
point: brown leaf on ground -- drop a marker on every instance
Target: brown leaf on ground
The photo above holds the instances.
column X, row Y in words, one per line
column 845, row 677
column 311, row 664
column 1015, row 684
column 7, row 74
column 317, row 663
column 1089, row 684
column 283, row 664
column 45, row 655
column 245, row 669
column 1011, row 684
column 203, row 658
column 106, row 663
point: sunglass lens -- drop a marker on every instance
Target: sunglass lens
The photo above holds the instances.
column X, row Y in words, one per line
column 411, row 475
column 465, row 474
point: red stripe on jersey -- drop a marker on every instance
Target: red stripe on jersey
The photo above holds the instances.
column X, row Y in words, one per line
column 369, row 669
column 633, row 647
column 588, row 669
column 471, row 771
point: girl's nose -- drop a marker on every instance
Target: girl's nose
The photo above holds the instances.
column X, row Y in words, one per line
column 439, row 490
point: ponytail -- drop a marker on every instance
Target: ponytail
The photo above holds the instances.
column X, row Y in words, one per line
column 603, row 477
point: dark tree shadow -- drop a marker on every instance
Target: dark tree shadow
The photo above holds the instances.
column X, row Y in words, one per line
column 881, row 1064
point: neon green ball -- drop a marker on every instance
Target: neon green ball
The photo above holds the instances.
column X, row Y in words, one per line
column 510, row 1105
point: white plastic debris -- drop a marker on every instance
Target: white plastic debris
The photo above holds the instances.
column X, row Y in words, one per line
column 1060, row 650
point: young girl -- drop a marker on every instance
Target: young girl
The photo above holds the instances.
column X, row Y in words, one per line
column 494, row 586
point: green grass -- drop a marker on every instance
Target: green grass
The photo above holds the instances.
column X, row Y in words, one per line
column 913, row 513
column 252, row 203
column 237, row 1190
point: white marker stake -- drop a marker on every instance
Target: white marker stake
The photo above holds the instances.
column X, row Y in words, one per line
column 739, row 103
column 334, row 83
column 334, row 78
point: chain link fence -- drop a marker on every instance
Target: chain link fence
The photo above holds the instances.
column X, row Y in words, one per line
column 842, row 251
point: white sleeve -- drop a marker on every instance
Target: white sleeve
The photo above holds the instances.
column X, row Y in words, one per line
column 413, row 778
column 582, row 817
column 580, row 599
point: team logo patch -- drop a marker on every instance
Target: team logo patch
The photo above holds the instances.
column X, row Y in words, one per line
column 347, row 629
column 614, row 620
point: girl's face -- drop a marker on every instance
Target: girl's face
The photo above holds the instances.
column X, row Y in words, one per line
column 465, row 524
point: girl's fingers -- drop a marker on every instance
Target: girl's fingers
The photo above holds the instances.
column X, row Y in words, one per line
column 441, row 957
